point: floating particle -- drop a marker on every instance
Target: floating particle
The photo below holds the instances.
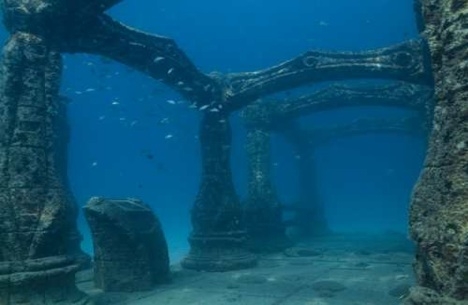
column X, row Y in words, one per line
column 133, row 123
column 102, row 117
column 180, row 83
column 214, row 110
column 122, row 119
column 169, row 136
column 94, row 164
column 193, row 106
column 90, row 90
column 203, row 107
column 222, row 121
column 78, row 92
column 172, row 102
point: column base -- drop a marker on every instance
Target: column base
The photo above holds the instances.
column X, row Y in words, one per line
column 43, row 281
column 219, row 252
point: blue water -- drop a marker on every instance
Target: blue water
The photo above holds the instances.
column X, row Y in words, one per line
column 121, row 119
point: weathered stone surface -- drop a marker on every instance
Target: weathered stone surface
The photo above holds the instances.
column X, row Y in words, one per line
column 130, row 250
column 41, row 281
column 40, row 246
column 439, row 207
column 262, row 209
column 218, row 239
column 422, row 295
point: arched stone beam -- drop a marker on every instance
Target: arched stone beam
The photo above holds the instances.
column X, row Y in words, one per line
column 400, row 95
column 81, row 26
column 407, row 126
column 407, row 62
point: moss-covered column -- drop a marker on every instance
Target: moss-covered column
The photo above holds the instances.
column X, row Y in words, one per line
column 310, row 215
column 218, row 239
column 439, row 206
column 262, row 209
column 37, row 217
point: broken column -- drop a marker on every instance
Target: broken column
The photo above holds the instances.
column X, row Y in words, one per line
column 130, row 250
column 218, row 238
column 263, row 213
column 439, row 205
column 37, row 220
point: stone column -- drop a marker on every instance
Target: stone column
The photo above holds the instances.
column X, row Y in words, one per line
column 217, row 242
column 439, row 205
column 262, row 209
column 36, row 214
column 310, row 215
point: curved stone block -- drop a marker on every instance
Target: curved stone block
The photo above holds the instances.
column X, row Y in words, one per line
column 130, row 250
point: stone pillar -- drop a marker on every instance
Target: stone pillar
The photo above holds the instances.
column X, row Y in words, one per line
column 263, row 213
column 130, row 250
column 439, row 205
column 309, row 218
column 218, row 239
column 37, row 217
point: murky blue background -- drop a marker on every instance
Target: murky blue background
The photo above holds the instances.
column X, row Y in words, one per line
column 121, row 120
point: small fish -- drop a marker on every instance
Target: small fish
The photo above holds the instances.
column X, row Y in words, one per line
column 158, row 59
column 170, row 71
column 222, row 121
column 207, row 87
column 203, row 107
column 115, row 103
column 172, row 102
column 102, row 117
column 214, row 110
column 78, row 92
column 180, row 83
column 133, row 123
column 94, row 163
column 90, row 90
column 122, row 119
column 193, row 106
column 169, row 136
column 164, row 121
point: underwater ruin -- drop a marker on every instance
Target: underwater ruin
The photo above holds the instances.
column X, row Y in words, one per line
column 40, row 253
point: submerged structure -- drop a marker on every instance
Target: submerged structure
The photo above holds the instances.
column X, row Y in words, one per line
column 40, row 246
